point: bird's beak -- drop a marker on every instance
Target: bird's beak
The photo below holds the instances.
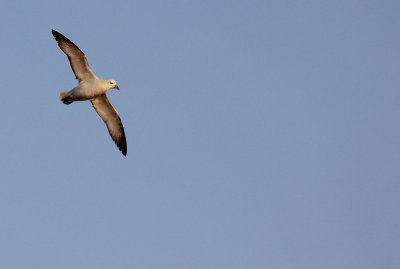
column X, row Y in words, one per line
column 117, row 87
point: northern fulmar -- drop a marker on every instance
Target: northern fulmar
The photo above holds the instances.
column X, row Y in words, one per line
column 91, row 88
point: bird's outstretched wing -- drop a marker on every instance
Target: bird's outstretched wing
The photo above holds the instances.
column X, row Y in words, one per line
column 77, row 58
column 111, row 118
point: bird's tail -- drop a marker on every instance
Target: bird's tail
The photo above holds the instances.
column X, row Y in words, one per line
column 66, row 97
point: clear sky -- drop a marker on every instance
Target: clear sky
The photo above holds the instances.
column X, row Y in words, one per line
column 261, row 134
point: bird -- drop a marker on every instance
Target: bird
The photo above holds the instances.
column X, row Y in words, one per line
column 91, row 88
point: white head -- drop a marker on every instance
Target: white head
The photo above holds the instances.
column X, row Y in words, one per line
column 112, row 84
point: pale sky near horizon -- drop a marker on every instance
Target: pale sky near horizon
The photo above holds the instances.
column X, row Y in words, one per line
column 261, row 134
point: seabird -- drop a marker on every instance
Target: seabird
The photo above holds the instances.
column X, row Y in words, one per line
column 91, row 88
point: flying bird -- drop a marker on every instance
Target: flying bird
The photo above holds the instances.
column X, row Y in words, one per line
column 91, row 88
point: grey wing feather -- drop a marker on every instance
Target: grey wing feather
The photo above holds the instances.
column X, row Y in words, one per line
column 111, row 118
column 77, row 58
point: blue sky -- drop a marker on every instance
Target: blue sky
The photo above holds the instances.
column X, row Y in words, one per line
column 261, row 134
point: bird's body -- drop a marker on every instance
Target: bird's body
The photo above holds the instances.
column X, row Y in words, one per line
column 91, row 88
column 87, row 90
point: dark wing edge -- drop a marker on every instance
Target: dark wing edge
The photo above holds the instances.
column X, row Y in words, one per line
column 77, row 59
column 111, row 118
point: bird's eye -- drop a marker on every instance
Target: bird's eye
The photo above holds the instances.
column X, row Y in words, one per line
column 111, row 83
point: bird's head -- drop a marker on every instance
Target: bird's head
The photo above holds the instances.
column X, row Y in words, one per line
column 112, row 84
